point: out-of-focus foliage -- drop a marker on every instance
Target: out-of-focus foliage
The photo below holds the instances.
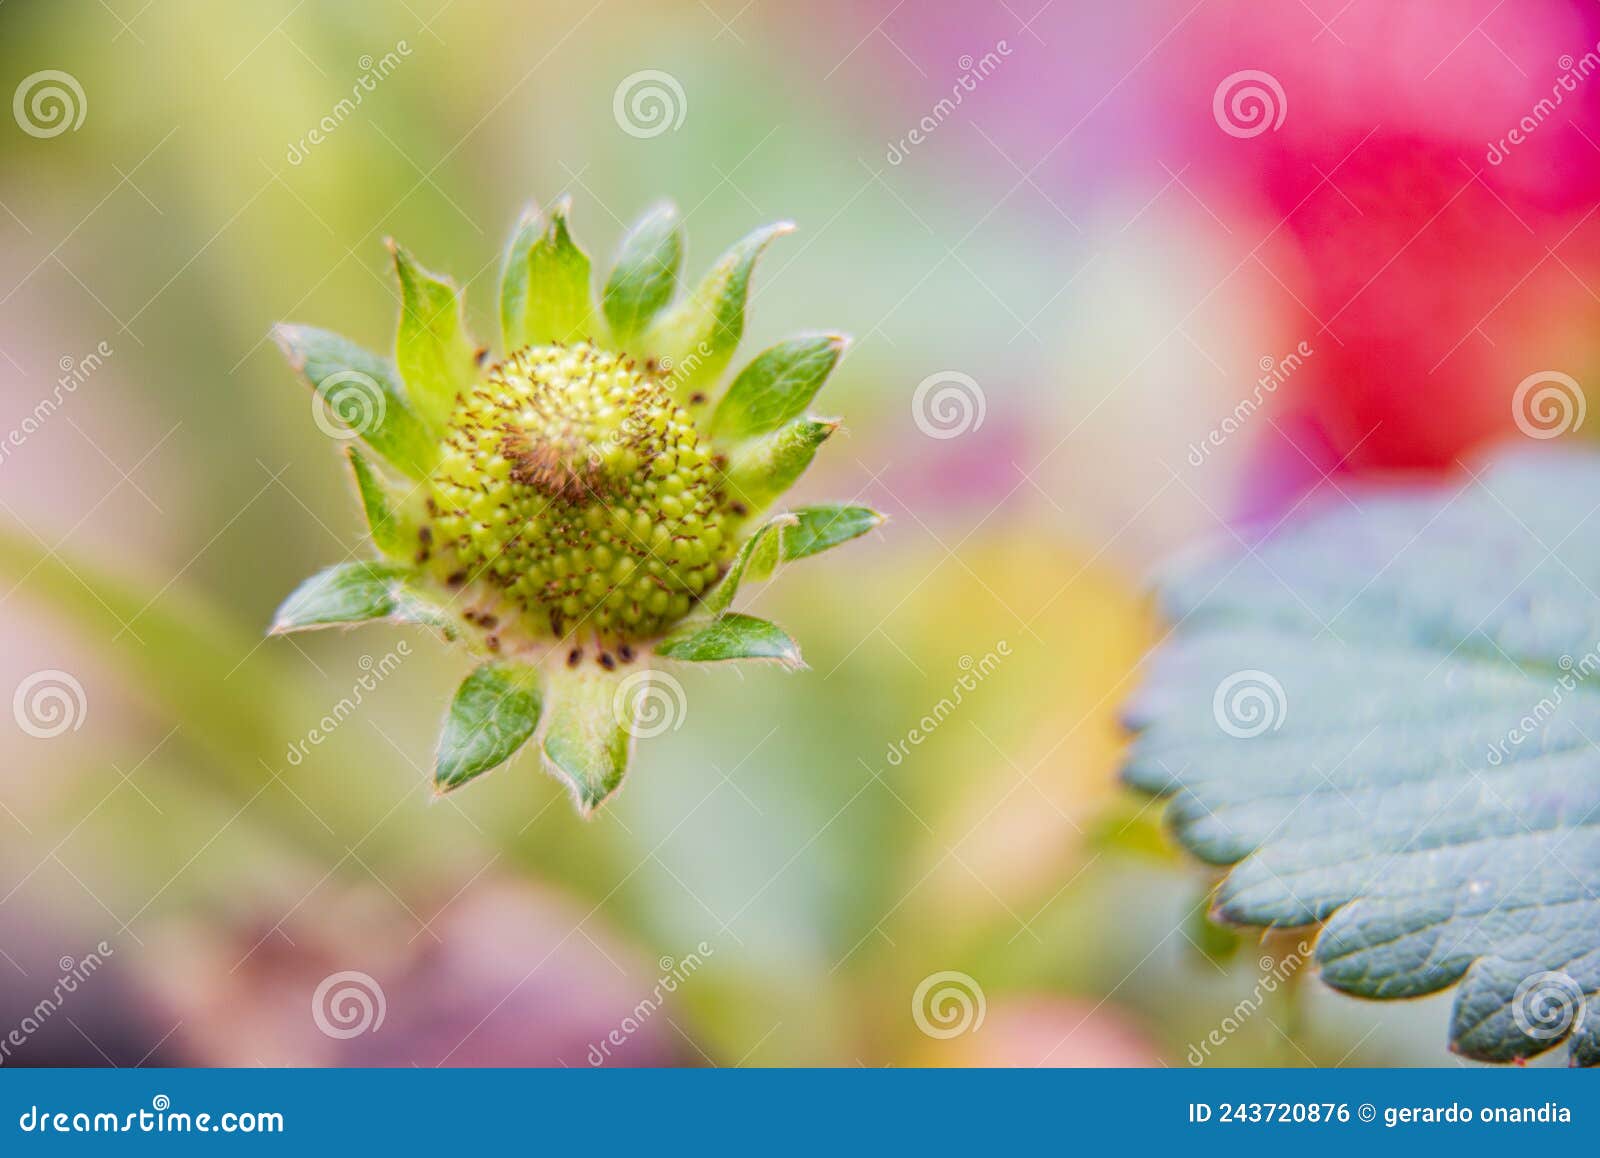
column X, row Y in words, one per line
column 241, row 820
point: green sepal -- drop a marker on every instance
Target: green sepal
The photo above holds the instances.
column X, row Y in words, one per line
column 495, row 711
column 826, row 525
column 436, row 356
column 731, row 636
column 645, row 276
column 695, row 340
column 757, row 557
column 545, row 297
column 411, row 606
column 392, row 533
column 354, row 383
column 351, row 593
column 760, row 470
column 588, row 738
column 1210, row 940
column 776, row 386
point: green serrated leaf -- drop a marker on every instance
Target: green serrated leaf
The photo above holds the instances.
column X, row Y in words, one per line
column 495, row 710
column 731, row 636
column 589, row 737
column 826, row 525
column 695, row 340
column 545, row 295
column 351, row 593
column 436, row 356
column 645, row 275
column 761, row 470
column 756, row 558
column 1382, row 719
column 391, row 532
column 364, row 395
column 777, row 386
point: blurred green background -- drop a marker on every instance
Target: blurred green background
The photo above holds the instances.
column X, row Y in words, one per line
column 152, row 521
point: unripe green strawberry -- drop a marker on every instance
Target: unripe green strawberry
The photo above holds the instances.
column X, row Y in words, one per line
column 574, row 483
column 582, row 507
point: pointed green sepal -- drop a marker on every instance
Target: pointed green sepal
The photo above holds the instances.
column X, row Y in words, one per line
column 363, row 394
column 392, row 533
column 545, row 296
column 731, row 636
column 776, row 386
column 495, row 711
column 589, row 737
column 757, row 557
column 410, row 606
column 760, row 470
column 817, row 528
column 351, row 593
column 1211, row 940
column 695, row 340
column 436, row 356
column 645, row 275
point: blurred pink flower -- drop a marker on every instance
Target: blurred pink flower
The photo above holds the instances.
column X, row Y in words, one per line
column 1436, row 171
